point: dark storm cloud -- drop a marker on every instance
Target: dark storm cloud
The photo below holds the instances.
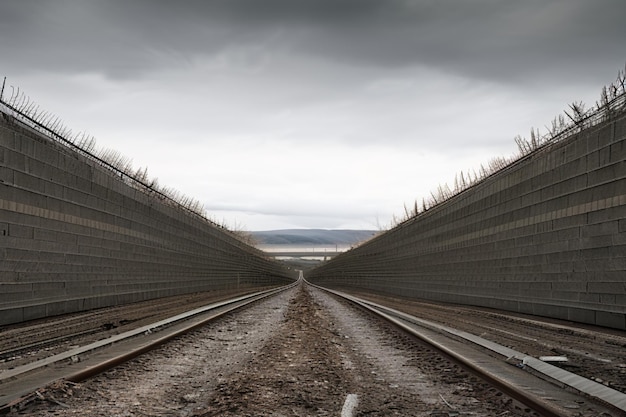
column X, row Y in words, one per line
column 488, row 39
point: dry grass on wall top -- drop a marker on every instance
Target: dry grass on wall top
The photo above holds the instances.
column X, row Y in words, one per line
column 576, row 118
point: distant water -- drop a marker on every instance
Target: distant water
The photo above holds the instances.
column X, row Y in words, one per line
column 304, row 248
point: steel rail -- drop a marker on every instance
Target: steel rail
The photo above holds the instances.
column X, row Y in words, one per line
column 522, row 395
column 591, row 389
column 170, row 328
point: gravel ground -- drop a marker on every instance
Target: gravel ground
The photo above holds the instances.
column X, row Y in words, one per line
column 302, row 353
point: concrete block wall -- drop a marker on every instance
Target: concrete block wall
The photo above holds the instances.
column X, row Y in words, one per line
column 76, row 236
column 546, row 236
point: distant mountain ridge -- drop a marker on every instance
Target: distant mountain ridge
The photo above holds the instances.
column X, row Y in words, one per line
column 312, row 236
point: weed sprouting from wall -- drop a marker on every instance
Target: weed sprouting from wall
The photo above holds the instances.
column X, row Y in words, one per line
column 17, row 107
column 576, row 118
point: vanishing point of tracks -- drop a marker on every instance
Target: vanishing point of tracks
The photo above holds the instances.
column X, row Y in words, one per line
column 300, row 351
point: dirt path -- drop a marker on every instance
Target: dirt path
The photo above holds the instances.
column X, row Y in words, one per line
column 296, row 372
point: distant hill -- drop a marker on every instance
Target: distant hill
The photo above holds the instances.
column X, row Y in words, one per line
column 312, row 237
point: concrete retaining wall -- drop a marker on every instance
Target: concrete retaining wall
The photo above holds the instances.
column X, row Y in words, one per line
column 75, row 236
column 546, row 236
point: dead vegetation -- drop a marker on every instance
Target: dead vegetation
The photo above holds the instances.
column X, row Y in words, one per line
column 576, row 118
column 19, row 107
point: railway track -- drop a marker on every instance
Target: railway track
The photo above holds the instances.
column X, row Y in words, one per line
column 21, row 383
column 23, row 343
column 308, row 362
column 499, row 372
column 590, row 351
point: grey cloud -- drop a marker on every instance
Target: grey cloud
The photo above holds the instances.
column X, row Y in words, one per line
column 315, row 71
column 484, row 39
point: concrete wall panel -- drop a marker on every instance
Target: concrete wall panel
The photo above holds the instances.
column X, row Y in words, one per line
column 75, row 235
column 545, row 236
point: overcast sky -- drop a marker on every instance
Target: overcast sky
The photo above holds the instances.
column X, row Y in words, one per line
column 309, row 113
